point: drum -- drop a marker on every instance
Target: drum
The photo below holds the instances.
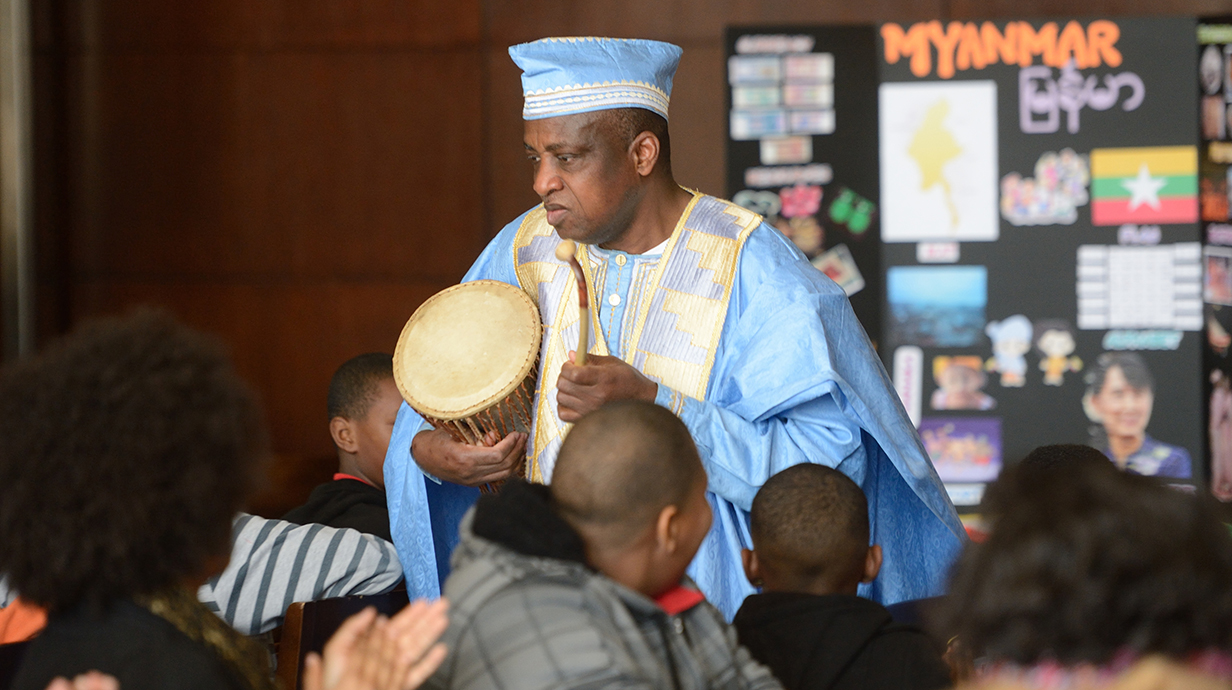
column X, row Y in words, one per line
column 466, row 360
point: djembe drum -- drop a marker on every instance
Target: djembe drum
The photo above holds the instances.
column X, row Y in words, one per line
column 466, row 360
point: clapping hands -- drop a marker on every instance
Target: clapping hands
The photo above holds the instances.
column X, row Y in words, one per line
column 372, row 652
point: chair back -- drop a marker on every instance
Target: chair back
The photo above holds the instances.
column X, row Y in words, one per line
column 309, row 625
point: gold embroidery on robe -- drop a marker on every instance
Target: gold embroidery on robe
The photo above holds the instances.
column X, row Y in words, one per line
column 676, row 332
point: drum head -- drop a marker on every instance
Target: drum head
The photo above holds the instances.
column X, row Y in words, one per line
column 466, row 348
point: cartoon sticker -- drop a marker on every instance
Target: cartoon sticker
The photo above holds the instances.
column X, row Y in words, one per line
column 804, row 232
column 800, row 200
column 853, row 211
column 838, row 264
column 1011, row 339
column 758, row 201
column 1052, row 196
column 1054, row 339
column 959, row 382
column 963, row 449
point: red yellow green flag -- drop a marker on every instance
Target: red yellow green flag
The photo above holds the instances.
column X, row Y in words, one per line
column 1150, row 184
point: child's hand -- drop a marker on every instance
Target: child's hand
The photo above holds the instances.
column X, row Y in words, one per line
column 371, row 652
column 86, row 681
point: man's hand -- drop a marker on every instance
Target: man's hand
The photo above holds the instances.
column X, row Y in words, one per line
column 440, row 455
column 370, row 652
column 584, row 389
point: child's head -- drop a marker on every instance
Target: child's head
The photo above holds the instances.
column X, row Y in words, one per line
column 363, row 404
column 810, row 533
column 1084, row 564
column 629, row 480
column 126, row 450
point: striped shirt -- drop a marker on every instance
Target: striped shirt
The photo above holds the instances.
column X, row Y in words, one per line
column 275, row 563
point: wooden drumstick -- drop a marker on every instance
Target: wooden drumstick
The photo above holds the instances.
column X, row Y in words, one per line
column 567, row 251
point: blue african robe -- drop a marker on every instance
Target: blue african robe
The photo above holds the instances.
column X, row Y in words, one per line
column 791, row 379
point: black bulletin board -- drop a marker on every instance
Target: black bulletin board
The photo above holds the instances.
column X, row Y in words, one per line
column 1032, row 178
column 842, row 165
column 1215, row 162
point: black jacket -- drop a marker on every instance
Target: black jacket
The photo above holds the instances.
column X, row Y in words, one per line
column 345, row 503
column 143, row 651
column 837, row 642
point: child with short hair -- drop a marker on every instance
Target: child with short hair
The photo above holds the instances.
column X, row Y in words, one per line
column 363, row 404
column 810, row 553
column 581, row 584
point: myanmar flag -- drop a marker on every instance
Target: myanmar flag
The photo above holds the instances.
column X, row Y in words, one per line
column 1153, row 184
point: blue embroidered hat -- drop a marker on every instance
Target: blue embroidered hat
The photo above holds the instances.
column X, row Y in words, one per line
column 566, row 76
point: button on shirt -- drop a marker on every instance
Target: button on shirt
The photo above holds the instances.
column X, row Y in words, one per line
column 620, row 284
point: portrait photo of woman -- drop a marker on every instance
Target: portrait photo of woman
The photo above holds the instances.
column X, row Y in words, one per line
column 1119, row 398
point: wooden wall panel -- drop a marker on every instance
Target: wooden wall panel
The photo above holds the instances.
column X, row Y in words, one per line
column 508, row 172
column 698, row 123
column 301, row 164
column 286, row 339
column 295, row 177
column 266, row 24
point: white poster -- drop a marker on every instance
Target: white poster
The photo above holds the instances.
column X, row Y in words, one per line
column 1140, row 287
column 939, row 161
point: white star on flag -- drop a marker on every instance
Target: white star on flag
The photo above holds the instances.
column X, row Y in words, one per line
column 1144, row 188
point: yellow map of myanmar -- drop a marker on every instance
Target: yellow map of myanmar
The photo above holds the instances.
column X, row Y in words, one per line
column 932, row 146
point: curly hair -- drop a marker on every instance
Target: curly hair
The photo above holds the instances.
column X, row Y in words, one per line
column 1082, row 562
column 125, row 451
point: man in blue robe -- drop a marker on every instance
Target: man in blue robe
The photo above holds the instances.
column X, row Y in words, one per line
column 698, row 306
